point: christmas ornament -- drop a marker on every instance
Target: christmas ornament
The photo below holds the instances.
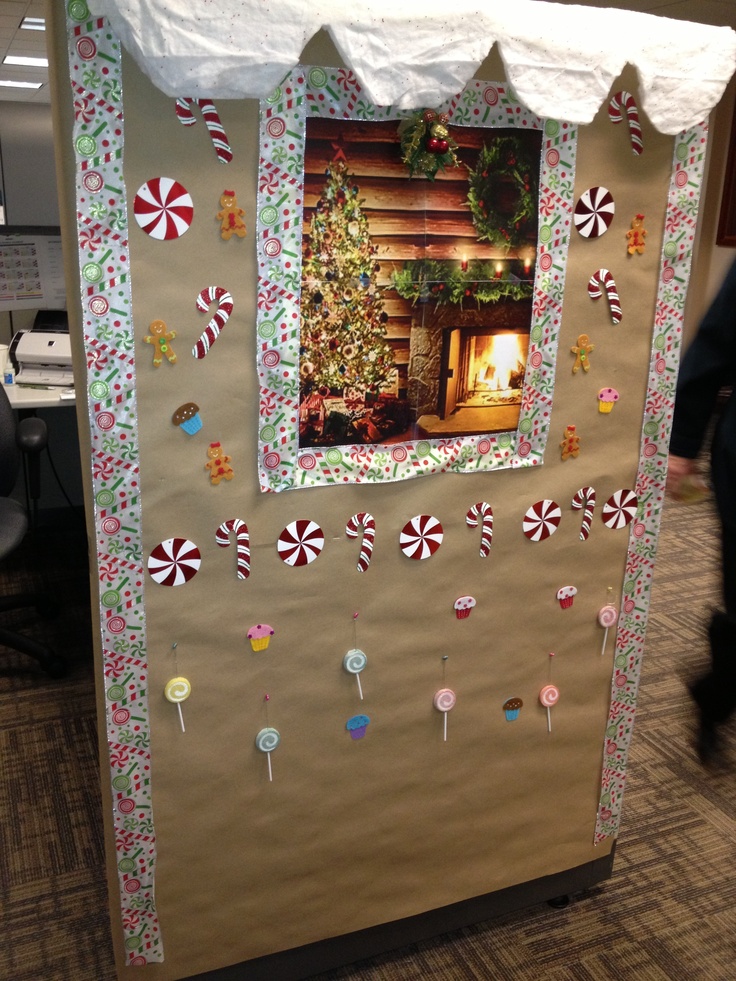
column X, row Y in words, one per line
column 426, row 145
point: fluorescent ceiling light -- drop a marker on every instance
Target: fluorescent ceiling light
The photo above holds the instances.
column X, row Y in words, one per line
column 20, row 85
column 26, row 62
column 33, row 24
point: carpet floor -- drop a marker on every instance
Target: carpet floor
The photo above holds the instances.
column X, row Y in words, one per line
column 667, row 914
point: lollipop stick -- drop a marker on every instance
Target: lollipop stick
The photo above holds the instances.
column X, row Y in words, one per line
column 181, row 716
column 445, row 726
column 360, row 687
column 605, row 638
column 549, row 720
column 270, row 771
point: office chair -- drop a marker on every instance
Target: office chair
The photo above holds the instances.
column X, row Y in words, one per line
column 28, row 436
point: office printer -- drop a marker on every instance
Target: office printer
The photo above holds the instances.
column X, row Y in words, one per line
column 43, row 354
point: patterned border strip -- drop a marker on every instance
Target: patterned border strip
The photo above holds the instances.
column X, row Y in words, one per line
column 336, row 93
column 680, row 224
column 102, row 231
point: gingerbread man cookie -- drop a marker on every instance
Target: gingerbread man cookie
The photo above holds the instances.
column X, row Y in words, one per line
column 161, row 339
column 636, row 235
column 231, row 216
column 218, row 464
column 582, row 350
column 570, row 445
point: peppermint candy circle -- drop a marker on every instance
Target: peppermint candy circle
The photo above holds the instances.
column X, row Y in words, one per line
column 541, row 520
column 620, row 509
column 549, row 695
column 174, row 562
column 300, row 542
column 163, row 208
column 594, row 212
column 421, row 537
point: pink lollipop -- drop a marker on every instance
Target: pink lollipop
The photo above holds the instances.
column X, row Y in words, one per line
column 607, row 617
column 443, row 701
column 548, row 696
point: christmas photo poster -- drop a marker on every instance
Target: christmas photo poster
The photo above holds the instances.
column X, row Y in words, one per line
column 416, row 293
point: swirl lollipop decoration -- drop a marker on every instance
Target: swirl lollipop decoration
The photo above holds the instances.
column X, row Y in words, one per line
column 267, row 740
column 444, row 700
column 354, row 662
column 607, row 617
column 177, row 691
column 549, row 696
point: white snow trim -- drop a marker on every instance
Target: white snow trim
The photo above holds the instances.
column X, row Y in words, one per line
column 560, row 60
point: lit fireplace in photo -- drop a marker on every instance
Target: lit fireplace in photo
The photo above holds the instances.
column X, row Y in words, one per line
column 496, row 363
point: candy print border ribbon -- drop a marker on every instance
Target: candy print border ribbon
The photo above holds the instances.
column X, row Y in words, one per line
column 336, row 93
column 102, row 233
column 681, row 216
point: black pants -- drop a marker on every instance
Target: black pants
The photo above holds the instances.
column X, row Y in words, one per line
column 729, row 569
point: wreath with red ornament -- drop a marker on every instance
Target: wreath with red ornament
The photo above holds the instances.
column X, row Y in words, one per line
column 505, row 171
column 426, row 143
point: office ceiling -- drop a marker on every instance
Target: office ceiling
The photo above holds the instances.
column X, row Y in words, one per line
column 17, row 42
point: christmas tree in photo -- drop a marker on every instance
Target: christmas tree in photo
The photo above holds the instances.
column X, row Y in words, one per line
column 344, row 350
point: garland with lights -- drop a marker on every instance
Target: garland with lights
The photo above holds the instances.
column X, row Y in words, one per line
column 434, row 281
column 502, row 165
column 426, row 144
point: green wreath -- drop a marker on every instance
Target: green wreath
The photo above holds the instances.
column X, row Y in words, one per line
column 504, row 161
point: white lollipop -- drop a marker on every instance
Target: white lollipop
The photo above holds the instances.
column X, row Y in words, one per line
column 177, row 691
column 444, row 700
column 267, row 740
column 354, row 662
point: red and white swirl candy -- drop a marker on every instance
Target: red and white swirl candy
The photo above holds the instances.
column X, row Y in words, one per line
column 421, row 536
column 483, row 510
column 625, row 100
column 541, row 520
column 163, row 208
column 367, row 522
column 594, row 212
column 584, row 500
column 174, row 562
column 300, row 542
column 239, row 528
column 620, row 509
column 212, row 121
column 212, row 294
column 602, row 277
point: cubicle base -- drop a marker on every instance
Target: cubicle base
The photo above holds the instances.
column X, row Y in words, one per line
column 303, row 962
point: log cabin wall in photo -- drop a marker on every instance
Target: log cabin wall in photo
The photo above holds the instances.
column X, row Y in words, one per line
column 423, row 232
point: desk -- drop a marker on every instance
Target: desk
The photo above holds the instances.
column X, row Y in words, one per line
column 24, row 397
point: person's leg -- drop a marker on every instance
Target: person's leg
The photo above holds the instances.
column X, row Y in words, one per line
column 715, row 692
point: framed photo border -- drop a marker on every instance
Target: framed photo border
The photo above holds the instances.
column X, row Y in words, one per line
column 336, row 93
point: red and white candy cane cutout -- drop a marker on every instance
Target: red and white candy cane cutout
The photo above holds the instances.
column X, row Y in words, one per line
column 240, row 530
column 209, row 335
column 584, row 500
column 602, row 277
column 368, row 523
column 625, row 100
column 484, row 509
column 212, row 121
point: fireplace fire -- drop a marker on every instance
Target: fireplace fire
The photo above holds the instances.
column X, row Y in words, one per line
column 482, row 368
